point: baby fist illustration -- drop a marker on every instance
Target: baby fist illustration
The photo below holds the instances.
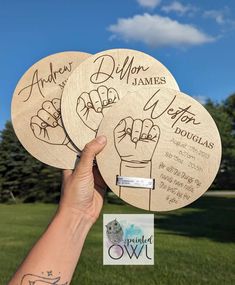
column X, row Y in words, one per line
column 92, row 106
column 47, row 124
column 136, row 140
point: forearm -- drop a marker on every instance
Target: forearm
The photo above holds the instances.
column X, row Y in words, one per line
column 140, row 170
column 57, row 252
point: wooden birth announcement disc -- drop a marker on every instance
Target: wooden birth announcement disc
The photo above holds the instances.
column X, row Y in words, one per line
column 98, row 84
column 163, row 149
column 36, row 109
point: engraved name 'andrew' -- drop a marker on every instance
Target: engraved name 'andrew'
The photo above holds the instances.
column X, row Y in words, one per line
column 38, row 83
column 159, row 107
column 107, row 68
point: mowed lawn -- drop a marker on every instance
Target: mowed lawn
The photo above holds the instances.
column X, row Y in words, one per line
column 194, row 245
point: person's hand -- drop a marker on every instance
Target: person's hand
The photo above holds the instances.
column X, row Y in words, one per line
column 83, row 189
column 47, row 125
column 92, row 106
column 136, row 140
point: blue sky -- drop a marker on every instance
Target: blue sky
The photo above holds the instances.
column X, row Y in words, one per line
column 194, row 39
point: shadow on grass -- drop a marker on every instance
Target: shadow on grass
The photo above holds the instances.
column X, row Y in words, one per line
column 208, row 217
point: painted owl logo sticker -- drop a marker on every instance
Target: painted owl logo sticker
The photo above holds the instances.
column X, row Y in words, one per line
column 128, row 239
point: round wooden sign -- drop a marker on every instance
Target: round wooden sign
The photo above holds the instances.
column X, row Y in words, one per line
column 36, row 111
column 163, row 149
column 98, row 84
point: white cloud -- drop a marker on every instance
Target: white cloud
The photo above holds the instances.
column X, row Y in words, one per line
column 178, row 8
column 221, row 17
column 155, row 30
column 218, row 16
column 149, row 3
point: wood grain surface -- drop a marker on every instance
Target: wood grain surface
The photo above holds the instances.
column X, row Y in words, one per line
column 100, row 82
column 36, row 109
column 165, row 135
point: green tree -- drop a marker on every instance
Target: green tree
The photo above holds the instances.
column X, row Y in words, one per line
column 224, row 116
column 21, row 175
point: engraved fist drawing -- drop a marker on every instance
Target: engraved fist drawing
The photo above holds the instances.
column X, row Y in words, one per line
column 136, row 140
column 47, row 124
column 92, row 106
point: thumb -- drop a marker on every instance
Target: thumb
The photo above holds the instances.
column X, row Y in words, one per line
column 80, row 105
column 36, row 130
column 88, row 154
column 119, row 130
column 120, row 126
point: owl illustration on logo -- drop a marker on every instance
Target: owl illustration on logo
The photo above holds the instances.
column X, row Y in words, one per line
column 114, row 232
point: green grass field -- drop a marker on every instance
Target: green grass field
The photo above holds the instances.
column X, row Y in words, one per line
column 194, row 245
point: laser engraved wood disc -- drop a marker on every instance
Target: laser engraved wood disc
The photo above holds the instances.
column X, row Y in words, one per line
column 36, row 111
column 100, row 81
column 165, row 135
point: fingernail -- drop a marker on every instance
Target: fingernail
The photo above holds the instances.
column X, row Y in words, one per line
column 32, row 127
column 135, row 140
column 43, row 125
column 144, row 136
column 128, row 131
column 54, row 124
column 99, row 110
column 110, row 100
column 101, row 139
column 150, row 136
column 56, row 115
column 120, row 122
column 105, row 102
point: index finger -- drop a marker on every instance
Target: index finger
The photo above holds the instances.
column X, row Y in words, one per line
column 56, row 104
column 112, row 95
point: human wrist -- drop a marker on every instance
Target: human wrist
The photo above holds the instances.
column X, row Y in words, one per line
column 74, row 218
column 140, row 169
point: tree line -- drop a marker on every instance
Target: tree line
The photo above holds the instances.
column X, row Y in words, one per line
column 25, row 179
